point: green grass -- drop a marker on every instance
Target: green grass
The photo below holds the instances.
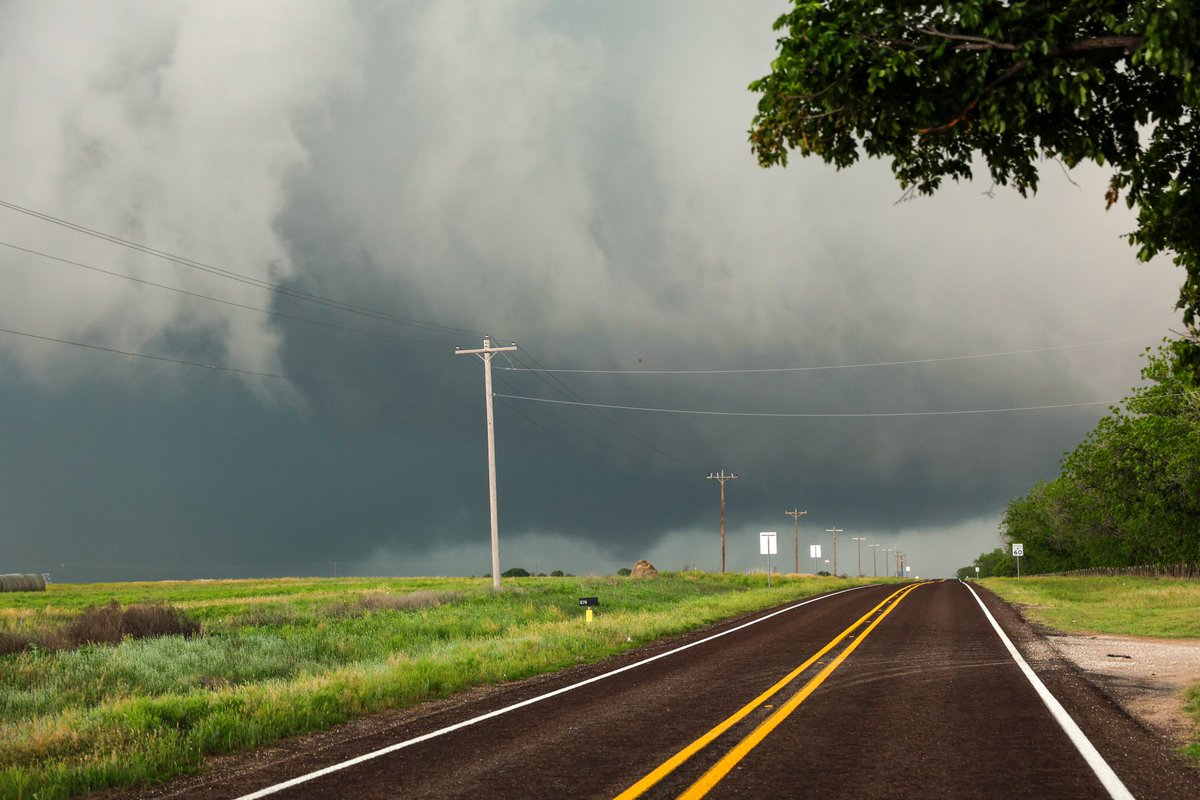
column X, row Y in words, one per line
column 1130, row 606
column 1127, row 606
column 278, row 658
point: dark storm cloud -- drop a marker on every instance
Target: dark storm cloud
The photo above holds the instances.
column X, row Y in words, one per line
column 575, row 181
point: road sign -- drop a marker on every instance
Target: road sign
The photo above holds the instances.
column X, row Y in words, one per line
column 768, row 543
column 814, row 551
column 589, row 601
column 1018, row 549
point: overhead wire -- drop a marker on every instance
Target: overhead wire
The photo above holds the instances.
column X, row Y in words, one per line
column 185, row 362
column 198, row 295
column 862, row 365
column 276, row 288
column 567, row 391
column 699, row 412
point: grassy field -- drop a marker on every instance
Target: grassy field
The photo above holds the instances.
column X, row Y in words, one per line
column 275, row 658
column 1128, row 606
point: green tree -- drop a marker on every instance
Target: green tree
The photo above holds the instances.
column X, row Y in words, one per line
column 1129, row 493
column 936, row 86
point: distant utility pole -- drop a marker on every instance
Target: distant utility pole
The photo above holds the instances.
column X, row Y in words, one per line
column 722, row 477
column 886, row 550
column 874, row 564
column 485, row 354
column 796, row 515
column 835, row 531
column 860, row 540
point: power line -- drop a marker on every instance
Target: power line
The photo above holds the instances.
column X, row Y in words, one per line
column 829, row 366
column 517, row 410
column 566, row 391
column 184, row 362
column 817, row 415
column 224, row 273
column 200, row 296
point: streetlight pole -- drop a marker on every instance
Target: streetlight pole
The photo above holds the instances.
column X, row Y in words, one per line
column 860, row 540
column 835, row 531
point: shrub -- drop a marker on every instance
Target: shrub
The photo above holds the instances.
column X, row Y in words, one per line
column 106, row 624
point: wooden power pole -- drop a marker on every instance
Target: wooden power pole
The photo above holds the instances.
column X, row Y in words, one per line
column 722, row 477
column 835, row 531
column 796, row 514
column 485, row 354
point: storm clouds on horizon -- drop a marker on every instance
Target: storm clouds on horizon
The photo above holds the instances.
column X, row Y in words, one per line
column 572, row 178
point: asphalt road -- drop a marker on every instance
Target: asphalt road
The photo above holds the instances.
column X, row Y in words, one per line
column 884, row 691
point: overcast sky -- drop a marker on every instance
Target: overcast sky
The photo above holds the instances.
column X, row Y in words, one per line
column 570, row 176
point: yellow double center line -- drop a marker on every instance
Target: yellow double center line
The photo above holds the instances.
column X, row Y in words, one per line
column 742, row 748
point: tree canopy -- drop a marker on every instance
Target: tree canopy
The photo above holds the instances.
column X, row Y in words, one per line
column 1129, row 494
column 939, row 88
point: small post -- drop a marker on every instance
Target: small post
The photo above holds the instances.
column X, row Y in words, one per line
column 768, row 545
column 587, row 603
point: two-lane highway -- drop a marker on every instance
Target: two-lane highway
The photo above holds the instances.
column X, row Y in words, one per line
column 883, row 691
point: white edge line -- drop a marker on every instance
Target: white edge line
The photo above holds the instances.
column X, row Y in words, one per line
column 465, row 723
column 1091, row 755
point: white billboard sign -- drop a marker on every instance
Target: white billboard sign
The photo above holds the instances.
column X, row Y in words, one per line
column 814, row 551
column 768, row 544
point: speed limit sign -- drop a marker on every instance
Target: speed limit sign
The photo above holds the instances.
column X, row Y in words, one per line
column 1018, row 549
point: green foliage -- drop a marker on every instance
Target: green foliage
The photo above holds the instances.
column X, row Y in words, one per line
column 624, row 572
column 997, row 562
column 934, row 86
column 515, row 572
column 1129, row 494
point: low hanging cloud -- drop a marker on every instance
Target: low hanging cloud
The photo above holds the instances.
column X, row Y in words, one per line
column 577, row 180
column 171, row 124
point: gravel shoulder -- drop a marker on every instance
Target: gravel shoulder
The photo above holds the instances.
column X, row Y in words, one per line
column 1147, row 677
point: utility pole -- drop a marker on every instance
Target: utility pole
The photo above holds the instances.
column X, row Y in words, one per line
column 887, row 550
column 860, row 540
column 874, row 564
column 835, row 531
column 796, row 515
column 722, row 477
column 485, row 354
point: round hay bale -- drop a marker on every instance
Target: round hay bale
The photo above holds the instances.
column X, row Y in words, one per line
column 18, row 582
column 643, row 569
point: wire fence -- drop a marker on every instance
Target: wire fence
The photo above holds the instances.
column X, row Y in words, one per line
column 1187, row 570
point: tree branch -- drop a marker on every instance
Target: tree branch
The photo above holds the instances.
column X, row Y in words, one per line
column 1127, row 44
column 982, row 41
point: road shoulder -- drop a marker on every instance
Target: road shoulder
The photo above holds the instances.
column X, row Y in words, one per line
column 1143, row 756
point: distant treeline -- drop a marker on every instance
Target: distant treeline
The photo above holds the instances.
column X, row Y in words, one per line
column 1128, row 495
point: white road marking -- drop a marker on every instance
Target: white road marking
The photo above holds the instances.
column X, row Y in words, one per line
column 482, row 717
column 1091, row 755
